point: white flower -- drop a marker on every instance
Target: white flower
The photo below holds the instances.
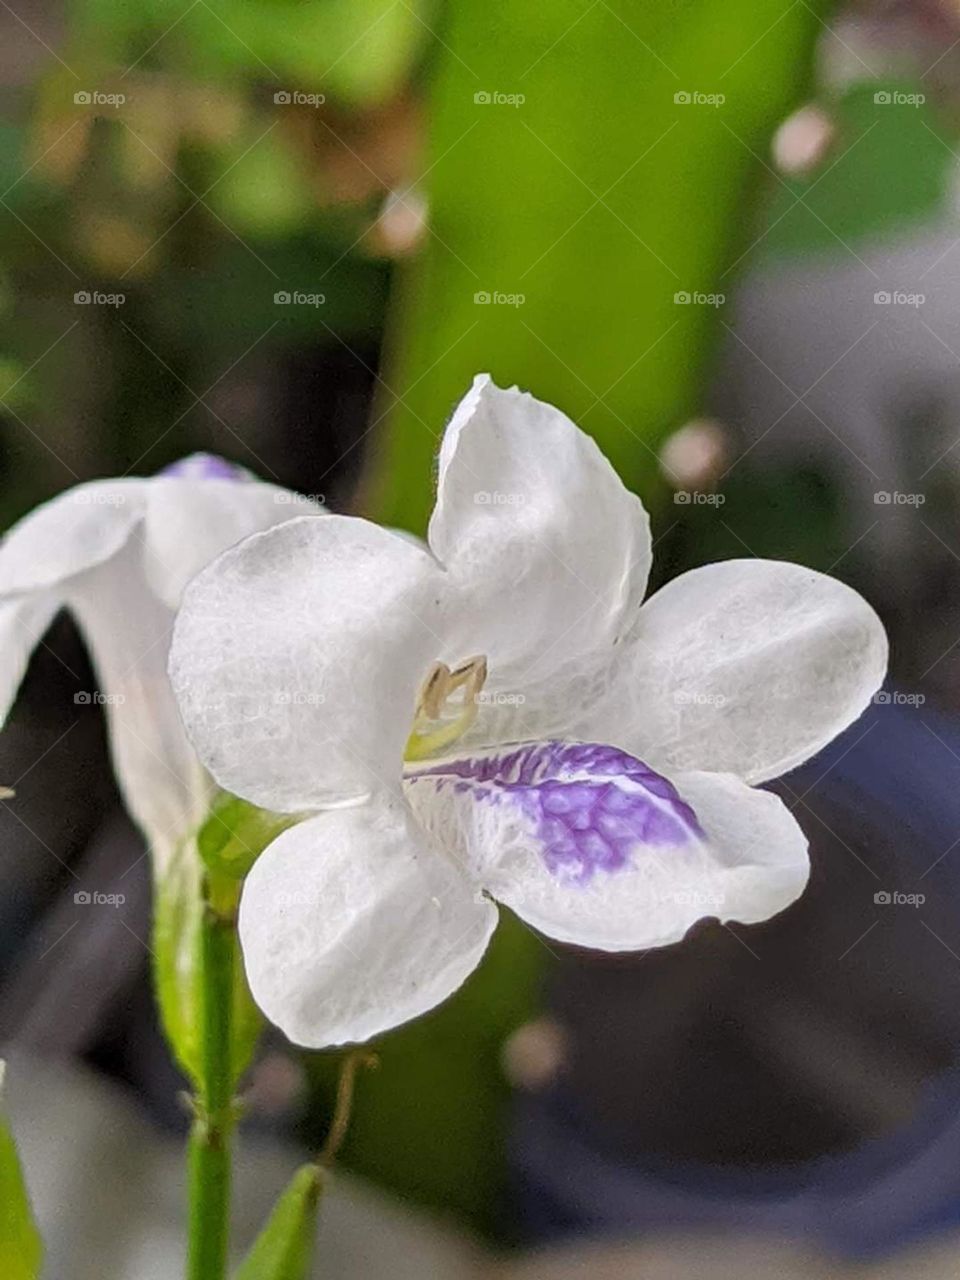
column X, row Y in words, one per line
column 117, row 554
column 333, row 666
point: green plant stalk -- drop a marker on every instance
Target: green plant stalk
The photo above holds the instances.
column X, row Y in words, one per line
column 209, row 1175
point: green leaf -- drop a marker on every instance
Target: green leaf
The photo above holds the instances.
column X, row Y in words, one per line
column 598, row 198
column 284, row 1248
column 178, row 917
column 21, row 1250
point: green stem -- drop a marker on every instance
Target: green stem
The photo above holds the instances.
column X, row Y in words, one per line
column 214, row 1112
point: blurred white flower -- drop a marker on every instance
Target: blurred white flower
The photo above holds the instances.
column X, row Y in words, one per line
column 117, row 554
column 600, row 787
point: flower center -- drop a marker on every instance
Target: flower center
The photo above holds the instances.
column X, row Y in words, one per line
column 446, row 706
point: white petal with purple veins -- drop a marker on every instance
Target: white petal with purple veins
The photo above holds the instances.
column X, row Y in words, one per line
column 593, row 847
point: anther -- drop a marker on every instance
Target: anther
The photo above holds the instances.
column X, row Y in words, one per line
column 439, row 686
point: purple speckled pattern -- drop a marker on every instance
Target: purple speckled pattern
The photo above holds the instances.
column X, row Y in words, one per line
column 205, row 466
column 590, row 805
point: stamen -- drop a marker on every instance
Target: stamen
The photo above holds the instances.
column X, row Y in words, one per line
column 428, row 737
column 434, row 692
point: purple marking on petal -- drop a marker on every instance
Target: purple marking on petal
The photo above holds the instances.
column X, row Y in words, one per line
column 205, row 466
column 590, row 805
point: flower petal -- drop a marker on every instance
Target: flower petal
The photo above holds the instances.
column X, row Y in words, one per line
column 127, row 630
column 350, row 923
column 297, row 659
column 193, row 516
column 72, row 532
column 592, row 847
column 747, row 667
column 548, row 550
column 207, row 466
column 23, row 620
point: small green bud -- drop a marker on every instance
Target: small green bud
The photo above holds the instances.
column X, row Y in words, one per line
column 236, row 833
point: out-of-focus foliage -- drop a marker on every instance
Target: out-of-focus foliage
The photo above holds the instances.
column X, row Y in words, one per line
column 889, row 166
column 20, row 1248
column 358, row 50
column 617, row 184
column 768, row 522
column 204, row 165
column 432, row 1121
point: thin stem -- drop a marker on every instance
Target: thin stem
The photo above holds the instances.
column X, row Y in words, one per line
column 214, row 1112
column 344, row 1104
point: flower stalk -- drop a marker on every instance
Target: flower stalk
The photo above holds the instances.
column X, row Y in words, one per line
column 214, row 1107
column 343, row 1106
